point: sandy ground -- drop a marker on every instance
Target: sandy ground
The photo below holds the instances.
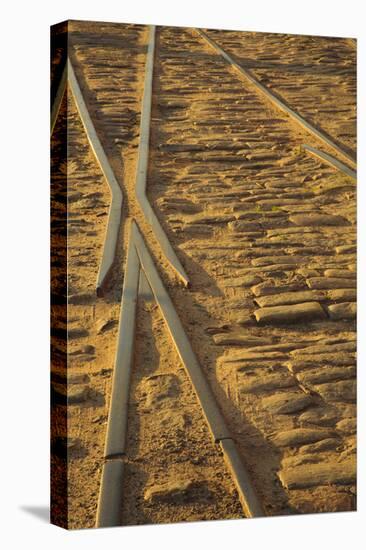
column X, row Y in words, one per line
column 257, row 224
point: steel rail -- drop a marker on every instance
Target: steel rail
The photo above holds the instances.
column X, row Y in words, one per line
column 110, row 493
column 58, row 98
column 330, row 160
column 274, row 99
column 209, row 406
column 142, row 164
column 115, row 207
column 142, row 279
column 203, row 391
column 247, row 495
column 117, row 421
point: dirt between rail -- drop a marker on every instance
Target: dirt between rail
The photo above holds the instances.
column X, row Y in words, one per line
column 266, row 234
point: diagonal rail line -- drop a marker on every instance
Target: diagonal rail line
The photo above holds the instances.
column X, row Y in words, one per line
column 330, row 160
column 276, row 100
column 143, row 161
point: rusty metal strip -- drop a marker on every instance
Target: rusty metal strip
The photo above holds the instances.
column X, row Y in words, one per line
column 143, row 160
column 115, row 207
column 269, row 95
column 331, row 160
column 203, row 391
column 247, row 495
column 58, row 98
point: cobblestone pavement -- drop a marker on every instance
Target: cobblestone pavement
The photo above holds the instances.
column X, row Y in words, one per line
column 267, row 236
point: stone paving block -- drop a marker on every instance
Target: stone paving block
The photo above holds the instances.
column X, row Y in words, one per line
column 309, row 311
column 326, row 374
column 285, row 403
column 317, row 219
column 343, row 391
column 346, row 310
column 305, row 362
column 342, row 295
column 340, row 273
column 311, row 475
column 174, row 492
column 346, row 249
column 264, row 289
column 240, row 339
column 290, row 298
column 347, row 426
column 300, row 436
column 330, row 282
column 264, row 382
column 268, row 260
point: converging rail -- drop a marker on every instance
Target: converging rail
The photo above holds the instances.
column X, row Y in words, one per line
column 110, row 497
column 115, row 207
column 143, row 161
column 276, row 101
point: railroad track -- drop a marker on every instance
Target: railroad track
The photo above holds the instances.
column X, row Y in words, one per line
column 232, row 235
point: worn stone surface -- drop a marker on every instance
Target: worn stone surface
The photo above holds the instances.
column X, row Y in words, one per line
column 247, row 280
column 346, row 249
column 309, row 311
column 326, row 374
column 324, row 348
column 322, row 416
column 77, row 394
column 300, row 436
column 347, row 310
column 84, row 350
column 289, row 402
column 78, row 379
column 347, row 426
column 227, row 181
column 240, row 339
column 263, row 289
column 304, row 361
column 172, row 492
column 330, row 282
column 270, row 260
column 290, row 298
column 328, row 444
column 266, row 382
column 310, row 475
column 338, row 273
column 344, row 391
column 342, row 295
column 106, row 324
column 77, row 332
column 317, row 219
